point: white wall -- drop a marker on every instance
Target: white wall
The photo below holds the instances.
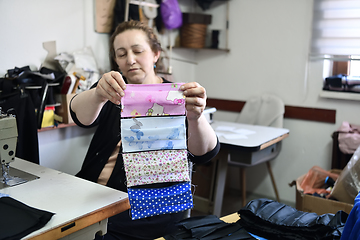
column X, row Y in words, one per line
column 24, row 26
column 268, row 41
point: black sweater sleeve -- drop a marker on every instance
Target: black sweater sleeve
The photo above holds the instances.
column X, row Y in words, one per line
column 207, row 156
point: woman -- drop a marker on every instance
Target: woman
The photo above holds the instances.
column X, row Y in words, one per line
column 134, row 51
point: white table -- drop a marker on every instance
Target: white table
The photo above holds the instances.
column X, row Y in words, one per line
column 253, row 144
column 78, row 204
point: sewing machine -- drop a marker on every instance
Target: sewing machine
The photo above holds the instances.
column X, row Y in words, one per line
column 8, row 139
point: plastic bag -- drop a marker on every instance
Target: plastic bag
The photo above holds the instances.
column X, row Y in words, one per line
column 171, row 14
column 347, row 185
column 314, row 180
column 349, row 137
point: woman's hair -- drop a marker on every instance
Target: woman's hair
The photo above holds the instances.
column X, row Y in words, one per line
column 129, row 25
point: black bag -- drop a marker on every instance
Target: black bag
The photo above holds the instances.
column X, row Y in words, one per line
column 273, row 220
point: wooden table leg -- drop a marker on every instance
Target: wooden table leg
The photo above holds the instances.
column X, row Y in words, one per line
column 273, row 180
column 243, row 185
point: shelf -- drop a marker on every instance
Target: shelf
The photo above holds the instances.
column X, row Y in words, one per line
column 210, row 49
column 340, row 95
column 59, row 126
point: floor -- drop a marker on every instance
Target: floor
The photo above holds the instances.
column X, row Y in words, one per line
column 232, row 203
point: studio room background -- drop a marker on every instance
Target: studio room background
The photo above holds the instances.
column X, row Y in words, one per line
column 269, row 43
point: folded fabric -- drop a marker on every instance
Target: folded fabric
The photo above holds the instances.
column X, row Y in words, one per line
column 273, row 220
column 352, row 225
column 18, row 219
column 208, row 228
column 146, row 134
column 147, row 202
column 153, row 100
column 156, row 166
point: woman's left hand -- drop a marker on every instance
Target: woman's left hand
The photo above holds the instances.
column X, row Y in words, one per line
column 195, row 100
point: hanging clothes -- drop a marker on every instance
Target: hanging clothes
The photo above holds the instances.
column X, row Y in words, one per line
column 20, row 104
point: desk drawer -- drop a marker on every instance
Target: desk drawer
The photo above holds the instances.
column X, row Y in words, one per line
column 256, row 157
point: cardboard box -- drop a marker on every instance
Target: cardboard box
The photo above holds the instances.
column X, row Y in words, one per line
column 63, row 109
column 309, row 203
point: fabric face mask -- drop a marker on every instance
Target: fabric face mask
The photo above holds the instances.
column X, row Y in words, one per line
column 156, row 167
column 153, row 128
column 147, row 134
column 153, row 100
column 147, row 202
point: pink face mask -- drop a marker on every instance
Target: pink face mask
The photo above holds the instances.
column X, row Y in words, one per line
column 153, row 100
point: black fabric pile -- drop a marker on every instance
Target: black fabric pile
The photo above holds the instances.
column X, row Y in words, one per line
column 208, row 228
column 273, row 220
column 18, row 220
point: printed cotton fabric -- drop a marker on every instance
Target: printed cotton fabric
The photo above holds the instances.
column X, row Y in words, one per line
column 147, row 202
column 153, row 134
column 146, row 134
column 156, row 167
column 153, row 100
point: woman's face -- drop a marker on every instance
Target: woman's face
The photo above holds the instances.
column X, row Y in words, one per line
column 134, row 56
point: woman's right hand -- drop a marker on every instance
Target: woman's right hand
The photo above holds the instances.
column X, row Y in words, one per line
column 111, row 87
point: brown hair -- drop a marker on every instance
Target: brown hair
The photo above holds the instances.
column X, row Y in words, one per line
column 129, row 25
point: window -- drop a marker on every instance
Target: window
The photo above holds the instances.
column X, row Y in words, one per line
column 336, row 40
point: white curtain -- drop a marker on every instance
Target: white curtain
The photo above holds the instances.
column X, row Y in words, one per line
column 336, row 28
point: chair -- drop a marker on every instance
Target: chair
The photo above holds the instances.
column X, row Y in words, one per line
column 265, row 110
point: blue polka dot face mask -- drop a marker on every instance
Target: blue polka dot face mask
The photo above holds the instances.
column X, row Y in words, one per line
column 147, row 202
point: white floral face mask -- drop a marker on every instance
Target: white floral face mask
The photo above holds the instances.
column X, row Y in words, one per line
column 156, row 167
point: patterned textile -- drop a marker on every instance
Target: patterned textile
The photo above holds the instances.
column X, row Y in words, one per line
column 156, row 167
column 153, row 100
column 147, row 202
column 153, row 134
column 146, row 134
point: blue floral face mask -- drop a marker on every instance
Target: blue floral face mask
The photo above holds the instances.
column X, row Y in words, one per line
column 153, row 133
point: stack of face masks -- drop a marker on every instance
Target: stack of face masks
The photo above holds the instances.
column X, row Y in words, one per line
column 154, row 149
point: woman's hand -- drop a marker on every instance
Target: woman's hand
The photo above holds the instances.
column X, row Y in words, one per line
column 111, row 87
column 195, row 100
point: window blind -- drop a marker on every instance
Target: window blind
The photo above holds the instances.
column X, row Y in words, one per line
column 336, row 28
